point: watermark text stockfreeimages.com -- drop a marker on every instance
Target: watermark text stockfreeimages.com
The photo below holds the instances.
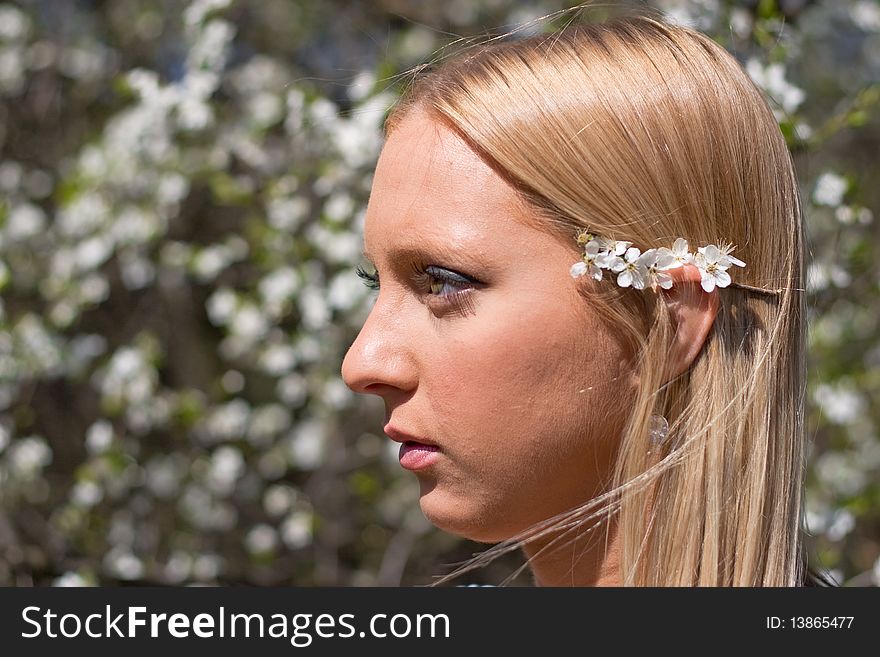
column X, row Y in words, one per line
column 300, row 629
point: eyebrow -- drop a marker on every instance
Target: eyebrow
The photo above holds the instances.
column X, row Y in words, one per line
column 414, row 251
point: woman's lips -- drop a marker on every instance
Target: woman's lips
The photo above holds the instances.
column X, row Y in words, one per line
column 415, row 453
column 416, row 456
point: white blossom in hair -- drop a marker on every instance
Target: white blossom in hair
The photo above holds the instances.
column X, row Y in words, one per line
column 680, row 251
column 657, row 263
column 593, row 262
column 638, row 270
column 713, row 263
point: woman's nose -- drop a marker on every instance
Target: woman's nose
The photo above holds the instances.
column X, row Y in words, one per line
column 380, row 361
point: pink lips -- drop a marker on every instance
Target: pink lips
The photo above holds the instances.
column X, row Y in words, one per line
column 415, row 456
column 415, row 453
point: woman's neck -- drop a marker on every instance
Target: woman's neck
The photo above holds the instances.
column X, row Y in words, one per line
column 591, row 559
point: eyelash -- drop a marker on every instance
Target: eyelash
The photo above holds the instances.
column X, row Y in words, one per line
column 460, row 300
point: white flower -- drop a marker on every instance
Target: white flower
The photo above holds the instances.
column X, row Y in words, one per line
column 292, row 389
column 221, row 306
column 830, row 189
column 29, row 455
column 227, row 421
column 163, row 475
column 771, row 78
column 279, row 285
column 578, row 269
column 265, row 109
column 632, row 269
column 227, row 465
column 296, row 530
column 212, row 46
column 614, row 247
column 313, row 306
column 86, row 494
column 24, row 221
column 726, row 259
column 172, row 188
column 267, row 422
column 99, row 436
column 277, row 359
column 210, row 261
column 866, row 16
column 120, row 561
column 279, row 499
column 713, row 264
column 657, row 262
column 840, row 403
column 362, row 85
column 70, row 580
column 287, row 213
column 306, row 444
column 636, row 269
column 345, row 291
column 249, row 323
column 93, row 252
column 199, row 10
column 339, row 207
column 207, row 566
column 261, row 539
column 14, row 24
column 680, row 251
column 592, row 263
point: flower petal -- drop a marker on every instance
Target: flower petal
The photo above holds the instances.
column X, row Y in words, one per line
column 602, row 260
column 648, row 258
column 722, row 278
column 666, row 260
column 638, row 279
column 632, row 254
column 624, row 279
column 711, row 253
column 708, row 283
column 680, row 247
column 578, row 269
column 663, row 279
column 615, row 263
column 619, row 247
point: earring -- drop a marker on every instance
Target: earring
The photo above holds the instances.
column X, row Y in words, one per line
column 659, row 429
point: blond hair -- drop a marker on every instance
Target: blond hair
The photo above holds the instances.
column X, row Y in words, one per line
column 643, row 131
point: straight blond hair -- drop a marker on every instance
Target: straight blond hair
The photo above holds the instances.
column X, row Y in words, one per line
column 643, row 131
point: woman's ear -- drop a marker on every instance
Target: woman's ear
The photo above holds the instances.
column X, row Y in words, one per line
column 693, row 312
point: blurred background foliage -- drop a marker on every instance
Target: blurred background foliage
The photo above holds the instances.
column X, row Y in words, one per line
column 183, row 187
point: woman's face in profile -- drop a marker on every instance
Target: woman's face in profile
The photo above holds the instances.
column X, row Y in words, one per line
column 479, row 343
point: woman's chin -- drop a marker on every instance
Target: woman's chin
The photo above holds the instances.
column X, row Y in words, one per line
column 459, row 518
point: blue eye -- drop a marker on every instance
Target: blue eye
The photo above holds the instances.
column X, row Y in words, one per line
column 440, row 279
column 452, row 288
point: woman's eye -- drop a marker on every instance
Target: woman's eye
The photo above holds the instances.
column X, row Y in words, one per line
column 443, row 282
column 454, row 289
column 370, row 280
column 443, row 287
column 451, row 287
